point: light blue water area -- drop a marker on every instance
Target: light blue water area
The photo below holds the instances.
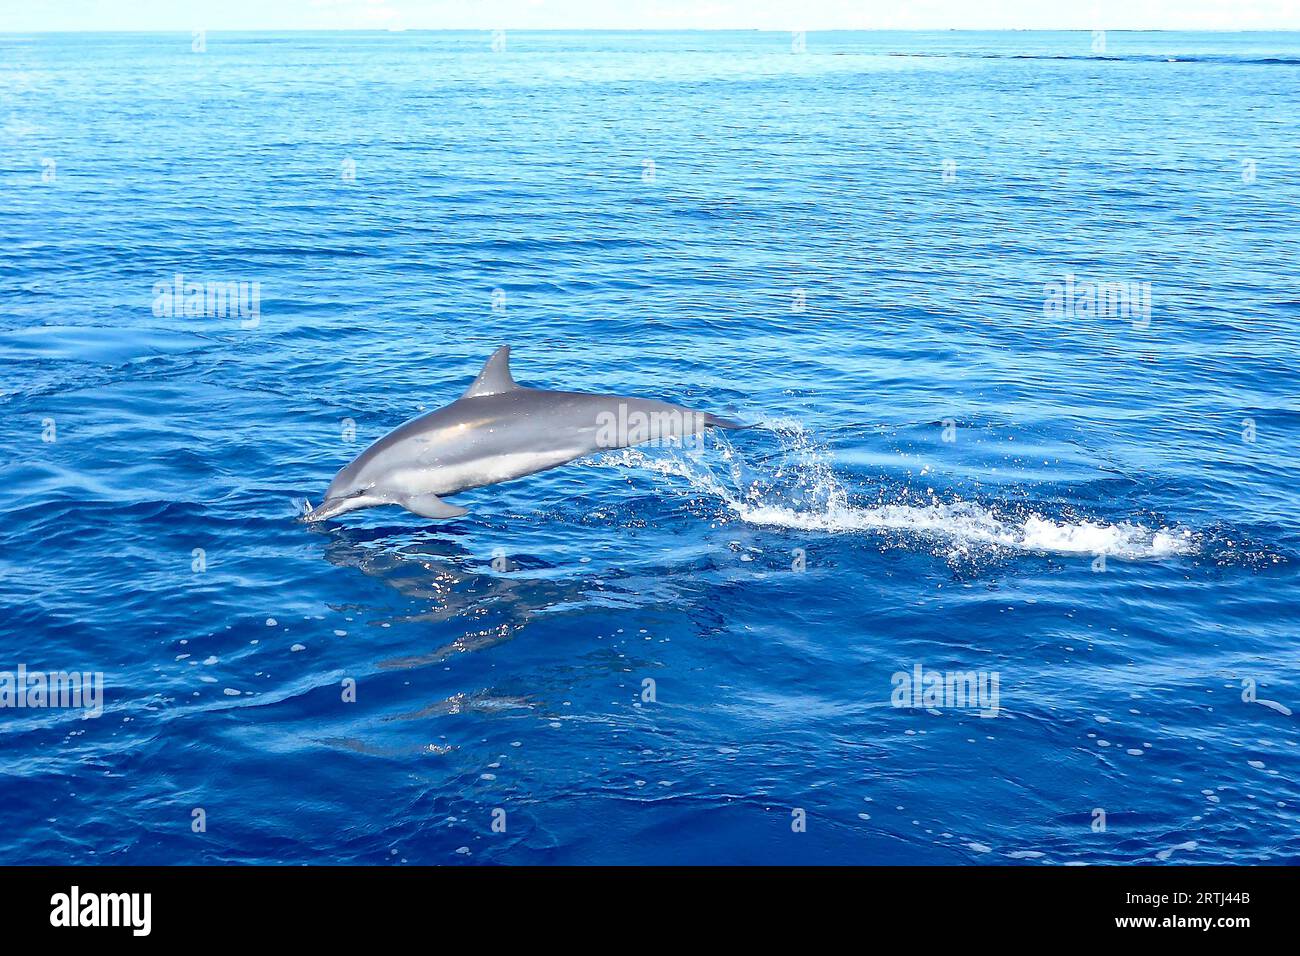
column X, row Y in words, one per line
column 1017, row 317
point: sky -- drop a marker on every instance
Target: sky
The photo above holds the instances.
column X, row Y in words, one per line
column 33, row 15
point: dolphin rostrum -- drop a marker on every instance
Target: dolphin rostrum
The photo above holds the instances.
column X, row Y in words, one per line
column 494, row 432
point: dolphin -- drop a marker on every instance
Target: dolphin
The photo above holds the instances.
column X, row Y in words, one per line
column 494, row 432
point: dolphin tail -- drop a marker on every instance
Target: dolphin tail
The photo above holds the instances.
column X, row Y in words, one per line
column 713, row 421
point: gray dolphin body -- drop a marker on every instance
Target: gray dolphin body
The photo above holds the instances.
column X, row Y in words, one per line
column 494, row 432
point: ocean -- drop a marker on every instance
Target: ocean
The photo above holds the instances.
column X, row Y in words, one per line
column 1006, row 574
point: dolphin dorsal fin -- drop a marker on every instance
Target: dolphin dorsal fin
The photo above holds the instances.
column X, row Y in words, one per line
column 495, row 377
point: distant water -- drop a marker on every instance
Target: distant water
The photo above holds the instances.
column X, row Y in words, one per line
column 1018, row 314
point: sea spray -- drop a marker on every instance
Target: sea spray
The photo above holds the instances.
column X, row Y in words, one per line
column 797, row 488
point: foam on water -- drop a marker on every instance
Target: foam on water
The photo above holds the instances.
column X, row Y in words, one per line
column 968, row 525
column 799, row 489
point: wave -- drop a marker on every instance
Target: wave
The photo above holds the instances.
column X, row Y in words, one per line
column 798, row 489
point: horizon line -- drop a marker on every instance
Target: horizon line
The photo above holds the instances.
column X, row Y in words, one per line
column 187, row 30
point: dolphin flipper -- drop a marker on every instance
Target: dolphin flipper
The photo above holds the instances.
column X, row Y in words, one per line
column 431, row 506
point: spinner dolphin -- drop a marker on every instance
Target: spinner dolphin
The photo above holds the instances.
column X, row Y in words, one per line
column 497, row 431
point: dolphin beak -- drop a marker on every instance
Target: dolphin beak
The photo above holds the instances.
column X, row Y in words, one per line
column 330, row 507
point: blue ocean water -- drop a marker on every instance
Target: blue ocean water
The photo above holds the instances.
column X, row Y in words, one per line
column 1016, row 312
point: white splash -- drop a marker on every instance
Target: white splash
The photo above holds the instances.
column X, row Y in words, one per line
column 966, row 526
column 803, row 472
column 1167, row 853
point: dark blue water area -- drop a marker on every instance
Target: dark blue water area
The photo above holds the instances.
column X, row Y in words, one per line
column 1016, row 318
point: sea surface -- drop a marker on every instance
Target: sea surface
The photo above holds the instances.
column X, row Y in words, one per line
column 1017, row 316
